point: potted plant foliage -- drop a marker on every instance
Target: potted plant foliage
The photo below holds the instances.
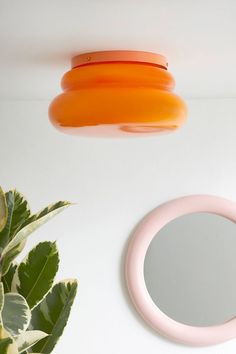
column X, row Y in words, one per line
column 33, row 310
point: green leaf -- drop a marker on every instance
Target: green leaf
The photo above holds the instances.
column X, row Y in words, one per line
column 33, row 223
column 52, row 314
column 27, row 339
column 3, row 210
column 16, row 314
column 34, row 276
column 8, row 277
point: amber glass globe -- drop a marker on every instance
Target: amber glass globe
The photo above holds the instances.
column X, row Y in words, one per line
column 118, row 93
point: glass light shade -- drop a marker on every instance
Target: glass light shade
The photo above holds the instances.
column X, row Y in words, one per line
column 118, row 93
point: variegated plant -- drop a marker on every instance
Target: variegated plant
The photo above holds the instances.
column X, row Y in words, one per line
column 33, row 312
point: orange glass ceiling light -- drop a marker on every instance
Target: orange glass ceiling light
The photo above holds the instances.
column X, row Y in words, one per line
column 118, row 93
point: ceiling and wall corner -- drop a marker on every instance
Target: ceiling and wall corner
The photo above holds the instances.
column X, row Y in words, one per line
column 38, row 39
column 114, row 182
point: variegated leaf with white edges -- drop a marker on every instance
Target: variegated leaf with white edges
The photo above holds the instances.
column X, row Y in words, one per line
column 3, row 210
column 10, row 256
column 15, row 246
column 16, row 314
column 27, row 339
column 37, row 221
column 1, row 301
column 35, row 275
column 5, row 232
column 18, row 213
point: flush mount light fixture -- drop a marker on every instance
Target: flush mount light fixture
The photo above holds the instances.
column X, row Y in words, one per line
column 118, row 93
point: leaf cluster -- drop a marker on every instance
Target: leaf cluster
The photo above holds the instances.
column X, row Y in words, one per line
column 33, row 311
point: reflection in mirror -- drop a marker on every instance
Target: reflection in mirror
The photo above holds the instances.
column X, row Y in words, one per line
column 190, row 269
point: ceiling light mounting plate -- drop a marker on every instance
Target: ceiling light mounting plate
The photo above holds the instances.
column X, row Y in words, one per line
column 128, row 56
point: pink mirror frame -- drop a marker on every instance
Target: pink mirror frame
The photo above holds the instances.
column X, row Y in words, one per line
column 145, row 232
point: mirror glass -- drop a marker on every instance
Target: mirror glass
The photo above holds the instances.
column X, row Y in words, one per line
column 190, row 269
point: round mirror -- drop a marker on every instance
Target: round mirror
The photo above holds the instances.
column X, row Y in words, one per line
column 190, row 269
column 181, row 269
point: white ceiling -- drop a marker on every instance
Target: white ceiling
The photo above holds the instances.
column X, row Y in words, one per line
column 38, row 38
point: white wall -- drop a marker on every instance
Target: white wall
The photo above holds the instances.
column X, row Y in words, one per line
column 114, row 182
